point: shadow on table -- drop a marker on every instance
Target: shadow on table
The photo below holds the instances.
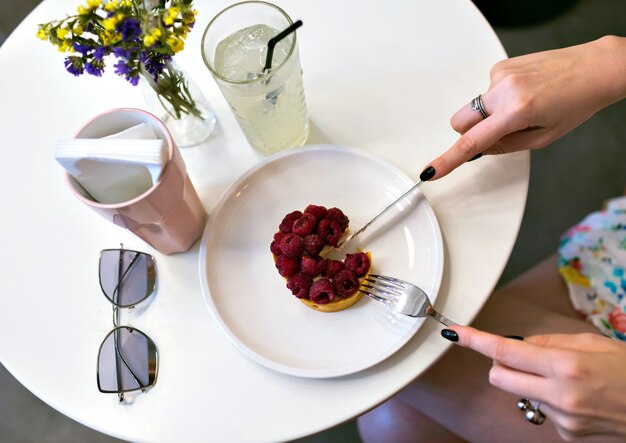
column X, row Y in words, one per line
column 316, row 136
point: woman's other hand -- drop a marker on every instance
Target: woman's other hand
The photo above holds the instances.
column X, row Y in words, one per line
column 580, row 379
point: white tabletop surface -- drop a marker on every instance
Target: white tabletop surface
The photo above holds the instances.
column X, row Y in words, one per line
column 380, row 76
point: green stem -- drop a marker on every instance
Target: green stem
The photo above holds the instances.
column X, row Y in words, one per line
column 171, row 87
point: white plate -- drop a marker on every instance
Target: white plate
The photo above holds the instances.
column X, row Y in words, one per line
column 247, row 295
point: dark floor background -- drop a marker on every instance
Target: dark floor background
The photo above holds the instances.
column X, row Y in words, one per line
column 568, row 180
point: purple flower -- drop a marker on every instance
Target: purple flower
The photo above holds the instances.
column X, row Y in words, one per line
column 128, row 72
column 95, row 67
column 121, row 53
column 154, row 63
column 100, row 52
column 130, row 29
column 83, row 49
column 134, row 80
column 74, row 65
column 121, row 68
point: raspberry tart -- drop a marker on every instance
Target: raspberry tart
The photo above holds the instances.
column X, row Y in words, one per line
column 298, row 248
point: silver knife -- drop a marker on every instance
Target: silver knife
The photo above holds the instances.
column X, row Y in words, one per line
column 367, row 225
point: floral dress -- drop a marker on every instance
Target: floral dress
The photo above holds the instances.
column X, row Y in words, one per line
column 592, row 260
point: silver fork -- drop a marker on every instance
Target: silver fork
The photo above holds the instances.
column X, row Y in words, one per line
column 402, row 296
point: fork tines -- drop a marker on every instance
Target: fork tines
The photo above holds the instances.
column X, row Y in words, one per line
column 389, row 283
column 374, row 293
column 381, row 289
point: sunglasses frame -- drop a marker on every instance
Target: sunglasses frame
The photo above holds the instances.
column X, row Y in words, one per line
column 153, row 363
column 151, row 278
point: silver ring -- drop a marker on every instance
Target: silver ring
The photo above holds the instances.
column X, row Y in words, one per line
column 532, row 413
column 478, row 105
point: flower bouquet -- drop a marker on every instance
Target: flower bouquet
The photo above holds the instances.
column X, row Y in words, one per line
column 143, row 36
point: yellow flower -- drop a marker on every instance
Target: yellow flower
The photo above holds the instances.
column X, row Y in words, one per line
column 66, row 46
column 112, row 5
column 189, row 19
column 93, row 4
column 173, row 12
column 62, row 32
column 109, row 23
column 148, row 41
column 82, row 10
column 42, row 34
column 77, row 30
column 110, row 38
column 175, row 43
column 156, row 33
column 169, row 21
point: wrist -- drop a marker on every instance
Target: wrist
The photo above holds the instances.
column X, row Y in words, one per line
column 613, row 50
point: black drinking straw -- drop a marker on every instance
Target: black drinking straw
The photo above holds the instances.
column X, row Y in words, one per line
column 274, row 40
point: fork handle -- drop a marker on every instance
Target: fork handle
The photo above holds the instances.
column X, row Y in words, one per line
column 443, row 320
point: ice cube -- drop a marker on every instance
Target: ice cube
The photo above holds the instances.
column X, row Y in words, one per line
column 246, row 49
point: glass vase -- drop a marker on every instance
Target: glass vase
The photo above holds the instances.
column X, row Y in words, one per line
column 176, row 99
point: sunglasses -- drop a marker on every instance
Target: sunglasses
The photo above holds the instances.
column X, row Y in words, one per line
column 128, row 358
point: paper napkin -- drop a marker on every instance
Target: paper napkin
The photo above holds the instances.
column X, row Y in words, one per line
column 116, row 168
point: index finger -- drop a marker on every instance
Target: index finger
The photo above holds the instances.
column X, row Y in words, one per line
column 512, row 353
column 477, row 139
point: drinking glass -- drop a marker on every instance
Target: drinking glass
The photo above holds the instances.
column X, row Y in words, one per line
column 268, row 104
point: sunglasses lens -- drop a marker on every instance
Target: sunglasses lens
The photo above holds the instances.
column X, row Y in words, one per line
column 127, row 361
column 127, row 277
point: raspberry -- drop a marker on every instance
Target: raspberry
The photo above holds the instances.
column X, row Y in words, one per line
column 318, row 211
column 287, row 266
column 332, row 267
column 312, row 265
column 304, row 225
column 346, row 283
column 274, row 246
column 291, row 245
column 297, row 246
column 359, row 263
column 336, row 214
column 300, row 284
column 330, row 231
column 287, row 223
column 313, row 244
column 322, row 291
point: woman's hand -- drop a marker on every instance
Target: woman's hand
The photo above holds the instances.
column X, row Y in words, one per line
column 535, row 99
column 579, row 379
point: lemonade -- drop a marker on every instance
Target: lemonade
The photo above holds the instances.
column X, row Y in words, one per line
column 269, row 105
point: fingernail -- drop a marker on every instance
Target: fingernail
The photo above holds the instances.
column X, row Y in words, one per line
column 476, row 157
column 449, row 334
column 427, row 174
column 514, row 337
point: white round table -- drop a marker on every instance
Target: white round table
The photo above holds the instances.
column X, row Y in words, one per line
column 383, row 77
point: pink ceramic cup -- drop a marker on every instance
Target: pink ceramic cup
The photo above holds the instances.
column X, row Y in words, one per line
column 169, row 216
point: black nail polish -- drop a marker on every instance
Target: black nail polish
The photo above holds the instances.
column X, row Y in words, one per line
column 476, row 157
column 514, row 337
column 449, row 334
column 427, row 174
